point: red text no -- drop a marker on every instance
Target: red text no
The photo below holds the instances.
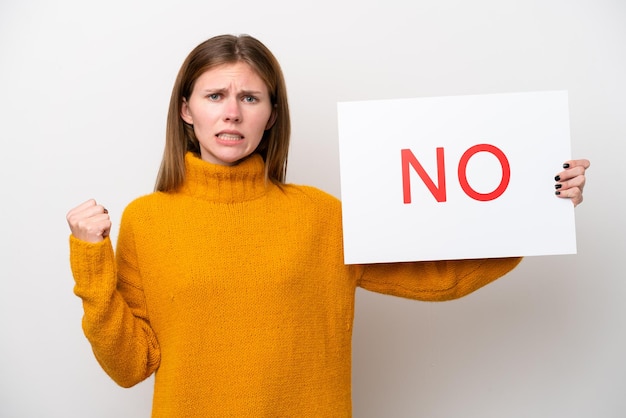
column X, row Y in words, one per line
column 439, row 190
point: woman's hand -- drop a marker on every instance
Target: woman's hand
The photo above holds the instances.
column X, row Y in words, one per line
column 571, row 181
column 89, row 221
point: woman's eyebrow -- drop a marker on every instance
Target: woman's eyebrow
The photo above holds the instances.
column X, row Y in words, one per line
column 214, row 90
column 222, row 90
column 251, row 92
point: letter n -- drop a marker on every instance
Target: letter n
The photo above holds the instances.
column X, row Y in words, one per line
column 408, row 159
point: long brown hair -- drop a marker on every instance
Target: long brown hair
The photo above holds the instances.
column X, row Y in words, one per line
column 179, row 136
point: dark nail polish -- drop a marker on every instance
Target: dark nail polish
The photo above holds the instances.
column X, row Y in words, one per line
column 566, row 165
column 558, row 186
column 557, row 178
column 557, row 193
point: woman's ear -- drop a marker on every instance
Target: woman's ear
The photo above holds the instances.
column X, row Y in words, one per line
column 184, row 112
column 272, row 119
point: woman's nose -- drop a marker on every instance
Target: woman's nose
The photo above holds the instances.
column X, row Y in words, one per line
column 232, row 112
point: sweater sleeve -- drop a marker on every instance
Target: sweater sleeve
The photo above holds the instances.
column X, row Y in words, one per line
column 434, row 280
column 115, row 316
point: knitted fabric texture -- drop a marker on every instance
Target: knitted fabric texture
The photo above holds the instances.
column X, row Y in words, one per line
column 234, row 291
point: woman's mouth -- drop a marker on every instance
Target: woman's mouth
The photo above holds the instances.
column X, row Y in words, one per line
column 229, row 137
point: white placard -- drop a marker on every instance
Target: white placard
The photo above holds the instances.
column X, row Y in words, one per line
column 455, row 177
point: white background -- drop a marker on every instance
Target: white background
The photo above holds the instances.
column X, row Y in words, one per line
column 84, row 88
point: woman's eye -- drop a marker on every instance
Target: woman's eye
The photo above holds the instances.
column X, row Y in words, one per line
column 213, row 96
column 249, row 99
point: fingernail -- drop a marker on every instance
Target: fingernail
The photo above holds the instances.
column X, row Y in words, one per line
column 557, row 178
column 557, row 193
column 558, row 186
column 566, row 165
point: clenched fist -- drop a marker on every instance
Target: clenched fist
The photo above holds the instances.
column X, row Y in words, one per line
column 89, row 221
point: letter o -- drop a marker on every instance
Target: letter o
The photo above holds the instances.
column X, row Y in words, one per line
column 506, row 172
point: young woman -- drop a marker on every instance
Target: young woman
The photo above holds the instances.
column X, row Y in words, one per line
column 227, row 282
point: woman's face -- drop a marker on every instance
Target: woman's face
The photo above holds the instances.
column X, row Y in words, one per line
column 229, row 109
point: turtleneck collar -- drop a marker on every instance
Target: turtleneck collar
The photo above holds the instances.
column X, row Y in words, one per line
column 224, row 184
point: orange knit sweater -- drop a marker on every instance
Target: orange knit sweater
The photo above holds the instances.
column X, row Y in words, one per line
column 235, row 293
